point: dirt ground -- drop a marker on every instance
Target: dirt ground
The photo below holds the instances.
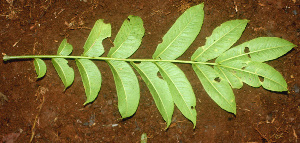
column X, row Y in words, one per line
column 42, row 111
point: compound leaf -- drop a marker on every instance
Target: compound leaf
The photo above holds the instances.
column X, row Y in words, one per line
column 40, row 67
column 127, row 86
column 181, row 34
column 180, row 88
column 128, row 38
column 222, row 38
column 64, row 71
column 91, row 78
column 217, row 88
column 93, row 46
column 259, row 49
column 65, row 48
column 158, row 88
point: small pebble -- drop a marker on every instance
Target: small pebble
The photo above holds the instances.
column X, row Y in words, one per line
column 296, row 88
column 114, row 125
column 109, row 102
column 295, row 12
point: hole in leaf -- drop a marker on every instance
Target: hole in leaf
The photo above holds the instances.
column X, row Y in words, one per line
column 261, row 78
column 217, row 79
column 138, row 62
column 247, row 51
column 128, row 19
column 159, row 75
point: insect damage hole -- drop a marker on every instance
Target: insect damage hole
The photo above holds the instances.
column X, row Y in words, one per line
column 217, row 79
column 261, row 79
column 159, row 75
column 247, row 51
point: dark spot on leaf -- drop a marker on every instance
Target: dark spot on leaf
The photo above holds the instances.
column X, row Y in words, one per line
column 128, row 19
column 192, row 107
column 261, row 78
column 217, row 79
column 159, row 75
column 247, row 51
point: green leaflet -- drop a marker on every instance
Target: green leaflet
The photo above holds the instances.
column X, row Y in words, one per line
column 181, row 34
column 65, row 72
column 144, row 138
column 158, row 88
column 222, row 38
column 65, row 48
column 127, row 86
column 128, row 38
column 40, row 67
column 260, row 49
column 180, row 88
column 93, row 46
column 91, row 78
column 219, row 91
column 272, row 79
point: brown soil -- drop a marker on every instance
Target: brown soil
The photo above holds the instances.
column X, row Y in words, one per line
column 43, row 110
